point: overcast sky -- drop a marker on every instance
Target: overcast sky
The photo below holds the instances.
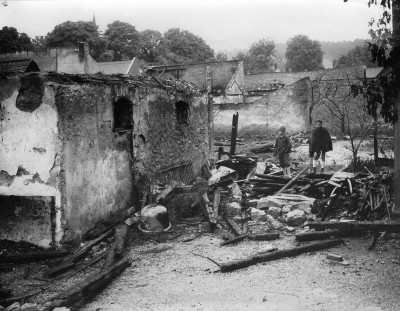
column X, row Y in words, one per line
column 223, row 24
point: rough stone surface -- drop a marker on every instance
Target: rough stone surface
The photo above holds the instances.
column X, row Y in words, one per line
column 273, row 223
column 258, row 215
column 304, row 206
column 274, row 211
column 265, row 203
column 29, row 307
column 14, row 307
column 76, row 148
column 290, row 229
column 295, row 218
column 286, row 209
column 233, row 208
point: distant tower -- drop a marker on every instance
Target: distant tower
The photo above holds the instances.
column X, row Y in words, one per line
column 94, row 19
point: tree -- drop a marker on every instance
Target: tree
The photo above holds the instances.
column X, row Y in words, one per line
column 11, row 41
column 221, row 57
column 39, row 43
column 241, row 55
column 70, row 34
column 123, row 40
column 332, row 100
column 303, row 54
column 360, row 55
column 148, row 45
column 24, row 42
column 181, row 46
column 260, row 57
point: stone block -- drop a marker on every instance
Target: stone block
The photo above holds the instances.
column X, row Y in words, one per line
column 273, row 223
column 304, row 206
column 258, row 215
column 29, row 307
column 295, row 218
column 274, row 211
column 265, row 203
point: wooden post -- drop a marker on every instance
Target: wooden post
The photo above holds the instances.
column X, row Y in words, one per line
column 396, row 33
column 235, row 122
column 220, row 152
column 376, row 154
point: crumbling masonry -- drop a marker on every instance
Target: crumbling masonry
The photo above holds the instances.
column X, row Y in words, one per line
column 74, row 148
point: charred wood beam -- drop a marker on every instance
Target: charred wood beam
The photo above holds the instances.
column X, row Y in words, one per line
column 390, row 226
column 324, row 235
column 254, row 237
column 31, row 257
column 291, row 252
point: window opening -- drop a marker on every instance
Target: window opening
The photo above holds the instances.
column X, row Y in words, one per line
column 182, row 113
column 123, row 114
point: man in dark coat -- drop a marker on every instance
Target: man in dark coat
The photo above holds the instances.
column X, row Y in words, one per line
column 282, row 149
column 320, row 143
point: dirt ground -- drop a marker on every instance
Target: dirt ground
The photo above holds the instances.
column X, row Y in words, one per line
column 171, row 276
column 173, row 273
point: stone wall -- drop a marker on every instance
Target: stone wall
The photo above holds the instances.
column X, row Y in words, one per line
column 66, row 60
column 61, row 140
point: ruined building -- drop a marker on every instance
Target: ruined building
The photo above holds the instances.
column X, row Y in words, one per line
column 75, row 148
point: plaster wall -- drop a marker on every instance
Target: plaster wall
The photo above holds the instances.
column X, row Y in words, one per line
column 95, row 159
column 287, row 107
column 28, row 163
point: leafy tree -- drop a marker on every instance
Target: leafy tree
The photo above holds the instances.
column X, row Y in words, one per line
column 149, row 41
column 221, row 57
column 360, row 55
column 181, row 46
column 39, row 43
column 303, row 54
column 123, row 40
column 70, row 34
column 24, row 42
column 239, row 56
column 11, row 41
column 260, row 57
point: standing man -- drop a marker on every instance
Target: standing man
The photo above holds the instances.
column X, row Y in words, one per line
column 282, row 149
column 320, row 143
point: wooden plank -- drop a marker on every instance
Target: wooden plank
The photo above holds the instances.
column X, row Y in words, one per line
column 167, row 190
column 217, row 200
column 292, row 181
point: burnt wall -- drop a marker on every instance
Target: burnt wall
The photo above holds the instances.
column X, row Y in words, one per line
column 161, row 141
column 29, row 219
column 96, row 165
